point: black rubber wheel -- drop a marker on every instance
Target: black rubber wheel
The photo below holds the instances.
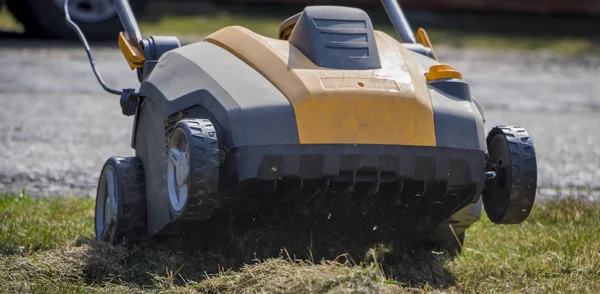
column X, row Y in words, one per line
column 193, row 170
column 45, row 19
column 509, row 198
column 120, row 214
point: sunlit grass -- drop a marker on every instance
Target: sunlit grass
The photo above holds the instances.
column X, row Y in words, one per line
column 28, row 225
column 45, row 247
column 193, row 27
column 8, row 22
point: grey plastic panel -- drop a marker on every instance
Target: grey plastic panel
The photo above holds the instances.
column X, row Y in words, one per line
column 150, row 137
column 480, row 108
column 248, row 107
column 459, row 121
column 336, row 37
column 206, row 81
column 455, row 88
column 154, row 48
column 424, row 61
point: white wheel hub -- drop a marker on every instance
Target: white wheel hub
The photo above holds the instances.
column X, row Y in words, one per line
column 106, row 210
column 178, row 170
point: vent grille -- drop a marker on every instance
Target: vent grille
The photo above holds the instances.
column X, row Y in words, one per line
column 337, row 37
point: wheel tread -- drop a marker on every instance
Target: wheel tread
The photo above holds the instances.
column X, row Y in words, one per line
column 134, row 208
column 130, row 225
column 524, row 183
column 204, row 170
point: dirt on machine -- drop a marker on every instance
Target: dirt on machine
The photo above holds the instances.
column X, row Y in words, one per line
column 331, row 135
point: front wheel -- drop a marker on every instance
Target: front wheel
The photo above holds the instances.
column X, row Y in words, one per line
column 98, row 19
column 120, row 214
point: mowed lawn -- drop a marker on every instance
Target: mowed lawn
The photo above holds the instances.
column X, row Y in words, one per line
column 46, row 246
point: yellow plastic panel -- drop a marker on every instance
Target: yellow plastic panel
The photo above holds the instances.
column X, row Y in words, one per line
column 390, row 105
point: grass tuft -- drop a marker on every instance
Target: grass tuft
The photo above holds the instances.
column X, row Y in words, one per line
column 46, row 246
column 557, row 250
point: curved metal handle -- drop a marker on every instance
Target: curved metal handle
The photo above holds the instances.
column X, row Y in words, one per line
column 81, row 37
column 129, row 22
column 399, row 21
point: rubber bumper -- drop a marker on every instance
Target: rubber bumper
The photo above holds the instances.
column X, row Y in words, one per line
column 363, row 162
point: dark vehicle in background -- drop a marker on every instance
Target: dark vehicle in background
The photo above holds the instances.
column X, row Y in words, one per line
column 98, row 18
column 573, row 7
column 45, row 18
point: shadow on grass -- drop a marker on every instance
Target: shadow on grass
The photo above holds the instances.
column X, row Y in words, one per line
column 215, row 247
column 149, row 264
column 178, row 264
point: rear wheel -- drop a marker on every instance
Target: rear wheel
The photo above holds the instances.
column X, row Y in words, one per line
column 193, row 170
column 98, row 19
column 120, row 215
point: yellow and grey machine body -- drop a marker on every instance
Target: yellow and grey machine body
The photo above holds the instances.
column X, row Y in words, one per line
column 338, row 101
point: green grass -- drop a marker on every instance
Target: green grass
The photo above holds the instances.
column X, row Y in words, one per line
column 27, row 225
column 190, row 27
column 566, row 46
column 8, row 22
column 204, row 24
column 46, row 246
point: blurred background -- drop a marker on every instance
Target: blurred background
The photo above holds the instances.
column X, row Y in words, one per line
column 563, row 26
column 533, row 63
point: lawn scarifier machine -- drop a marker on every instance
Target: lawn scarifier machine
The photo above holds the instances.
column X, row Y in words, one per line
column 330, row 108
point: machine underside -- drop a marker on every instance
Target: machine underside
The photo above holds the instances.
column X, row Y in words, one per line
column 404, row 189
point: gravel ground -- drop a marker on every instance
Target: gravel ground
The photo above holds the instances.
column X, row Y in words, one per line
column 57, row 126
